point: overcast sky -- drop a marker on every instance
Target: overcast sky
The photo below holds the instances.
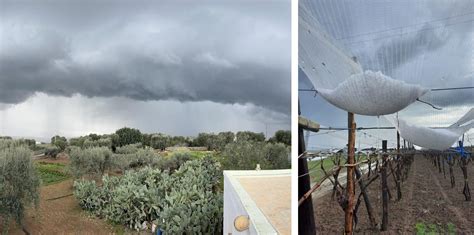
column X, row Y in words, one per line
column 430, row 43
column 178, row 67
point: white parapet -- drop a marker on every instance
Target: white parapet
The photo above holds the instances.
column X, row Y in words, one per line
column 264, row 197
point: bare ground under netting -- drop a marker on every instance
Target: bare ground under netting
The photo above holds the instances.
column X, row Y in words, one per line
column 429, row 201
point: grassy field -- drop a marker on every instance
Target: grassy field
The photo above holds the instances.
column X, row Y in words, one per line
column 195, row 154
column 314, row 167
column 51, row 173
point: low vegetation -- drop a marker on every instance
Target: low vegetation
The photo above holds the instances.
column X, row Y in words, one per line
column 51, row 173
column 92, row 162
column 432, row 229
column 186, row 201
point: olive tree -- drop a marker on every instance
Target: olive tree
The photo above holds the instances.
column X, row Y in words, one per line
column 19, row 183
column 59, row 141
column 250, row 136
column 128, row 136
column 90, row 162
column 245, row 155
column 282, row 136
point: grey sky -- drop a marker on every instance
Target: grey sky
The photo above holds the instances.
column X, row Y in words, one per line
column 145, row 64
column 430, row 43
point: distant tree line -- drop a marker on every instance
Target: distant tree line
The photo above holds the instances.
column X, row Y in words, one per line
column 126, row 136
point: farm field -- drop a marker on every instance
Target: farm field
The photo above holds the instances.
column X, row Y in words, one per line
column 126, row 182
column 428, row 205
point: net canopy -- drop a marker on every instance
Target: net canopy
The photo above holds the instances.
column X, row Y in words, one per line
column 378, row 57
column 338, row 77
column 434, row 138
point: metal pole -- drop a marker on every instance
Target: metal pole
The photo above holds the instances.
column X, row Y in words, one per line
column 306, row 220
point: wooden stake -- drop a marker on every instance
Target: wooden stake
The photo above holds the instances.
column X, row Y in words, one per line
column 349, row 212
column 384, row 188
column 398, row 173
column 368, row 205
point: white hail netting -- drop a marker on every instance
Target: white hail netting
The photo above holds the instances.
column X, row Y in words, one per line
column 435, row 138
column 429, row 43
column 372, row 93
column 469, row 116
column 340, row 79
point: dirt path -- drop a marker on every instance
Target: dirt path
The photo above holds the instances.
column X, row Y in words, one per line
column 459, row 214
column 61, row 216
column 427, row 199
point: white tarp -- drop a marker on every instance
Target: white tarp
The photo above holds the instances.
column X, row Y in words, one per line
column 433, row 138
column 469, row 116
column 340, row 79
column 372, row 93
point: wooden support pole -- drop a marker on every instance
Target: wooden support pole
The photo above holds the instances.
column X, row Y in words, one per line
column 438, row 157
column 306, row 221
column 398, row 173
column 451, row 174
column 349, row 210
column 443, row 161
column 384, row 188
column 368, row 205
column 466, row 191
column 464, row 161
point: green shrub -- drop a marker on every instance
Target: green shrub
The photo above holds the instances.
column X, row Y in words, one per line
column 128, row 136
column 59, row 141
column 282, row 136
column 193, row 206
column 173, row 162
column 10, row 143
column 186, row 201
column 52, row 151
column 250, row 136
column 277, row 155
column 160, row 141
column 245, row 155
column 91, row 162
column 19, row 182
column 147, row 157
column 130, row 148
column 78, row 142
column 139, row 158
column 102, row 142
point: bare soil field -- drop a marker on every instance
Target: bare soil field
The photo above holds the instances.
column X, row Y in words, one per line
column 427, row 199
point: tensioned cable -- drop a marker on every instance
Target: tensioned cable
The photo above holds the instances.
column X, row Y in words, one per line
column 403, row 27
column 434, row 89
column 416, row 31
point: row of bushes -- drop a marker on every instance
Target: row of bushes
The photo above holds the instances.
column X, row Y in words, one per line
column 184, row 202
column 94, row 162
column 245, row 155
column 126, row 136
column 19, row 181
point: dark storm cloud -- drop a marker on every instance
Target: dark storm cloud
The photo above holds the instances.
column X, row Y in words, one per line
column 217, row 51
